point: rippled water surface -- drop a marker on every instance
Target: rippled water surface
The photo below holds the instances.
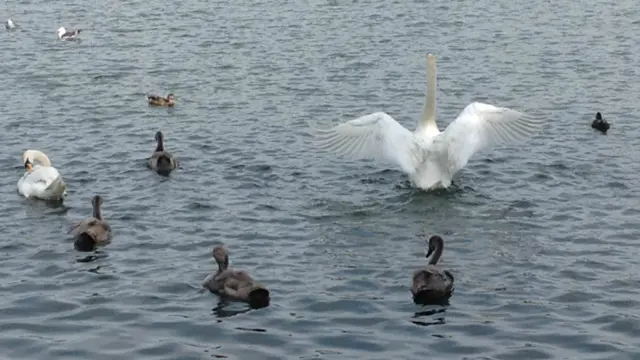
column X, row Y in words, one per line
column 542, row 238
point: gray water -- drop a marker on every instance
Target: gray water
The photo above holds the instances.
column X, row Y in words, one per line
column 541, row 237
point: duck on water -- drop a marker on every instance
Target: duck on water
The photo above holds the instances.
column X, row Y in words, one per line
column 600, row 124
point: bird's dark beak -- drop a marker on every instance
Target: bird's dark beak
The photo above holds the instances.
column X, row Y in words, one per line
column 429, row 252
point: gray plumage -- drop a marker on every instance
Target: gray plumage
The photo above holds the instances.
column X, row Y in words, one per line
column 235, row 284
column 431, row 284
column 92, row 232
column 163, row 162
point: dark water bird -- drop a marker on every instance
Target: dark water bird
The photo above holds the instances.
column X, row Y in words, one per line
column 431, row 285
column 162, row 162
column 63, row 34
column 93, row 231
column 160, row 101
column 600, row 124
column 235, row 284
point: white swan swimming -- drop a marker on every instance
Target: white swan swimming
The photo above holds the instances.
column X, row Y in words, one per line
column 41, row 180
column 428, row 156
column 9, row 24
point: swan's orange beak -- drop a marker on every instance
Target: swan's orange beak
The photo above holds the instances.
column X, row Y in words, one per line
column 29, row 166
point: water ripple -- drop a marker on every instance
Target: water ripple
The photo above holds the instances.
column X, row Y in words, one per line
column 541, row 237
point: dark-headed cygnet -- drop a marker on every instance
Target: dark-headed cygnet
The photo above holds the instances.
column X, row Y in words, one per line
column 432, row 285
column 235, row 284
column 162, row 162
column 93, row 231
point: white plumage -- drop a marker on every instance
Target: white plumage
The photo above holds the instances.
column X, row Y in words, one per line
column 41, row 180
column 428, row 156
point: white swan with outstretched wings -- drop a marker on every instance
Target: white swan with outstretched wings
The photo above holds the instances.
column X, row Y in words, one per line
column 428, row 156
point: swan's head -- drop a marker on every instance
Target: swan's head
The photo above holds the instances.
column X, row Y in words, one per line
column 598, row 116
column 61, row 30
column 431, row 59
column 36, row 156
column 221, row 256
column 431, row 68
column 159, row 136
column 96, row 201
column 435, row 242
column 28, row 165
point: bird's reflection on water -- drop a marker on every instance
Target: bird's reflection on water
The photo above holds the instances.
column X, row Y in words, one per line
column 428, row 313
column 97, row 255
column 226, row 308
column 57, row 205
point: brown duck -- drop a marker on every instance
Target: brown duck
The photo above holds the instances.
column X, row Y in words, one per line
column 235, row 284
column 157, row 100
column 92, row 232
column 162, row 162
column 431, row 285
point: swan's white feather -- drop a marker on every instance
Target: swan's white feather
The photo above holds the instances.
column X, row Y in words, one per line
column 375, row 136
column 42, row 182
column 481, row 126
column 428, row 156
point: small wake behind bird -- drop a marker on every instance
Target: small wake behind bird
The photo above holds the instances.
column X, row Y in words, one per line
column 431, row 158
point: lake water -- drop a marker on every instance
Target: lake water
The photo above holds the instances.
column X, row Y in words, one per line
column 541, row 237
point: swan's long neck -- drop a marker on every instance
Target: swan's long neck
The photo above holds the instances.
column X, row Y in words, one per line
column 436, row 254
column 223, row 265
column 160, row 146
column 36, row 156
column 96, row 211
column 44, row 159
column 427, row 125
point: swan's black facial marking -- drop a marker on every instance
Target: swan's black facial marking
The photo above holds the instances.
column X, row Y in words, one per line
column 430, row 250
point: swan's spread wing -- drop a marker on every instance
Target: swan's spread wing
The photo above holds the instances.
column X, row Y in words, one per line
column 375, row 136
column 481, row 126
